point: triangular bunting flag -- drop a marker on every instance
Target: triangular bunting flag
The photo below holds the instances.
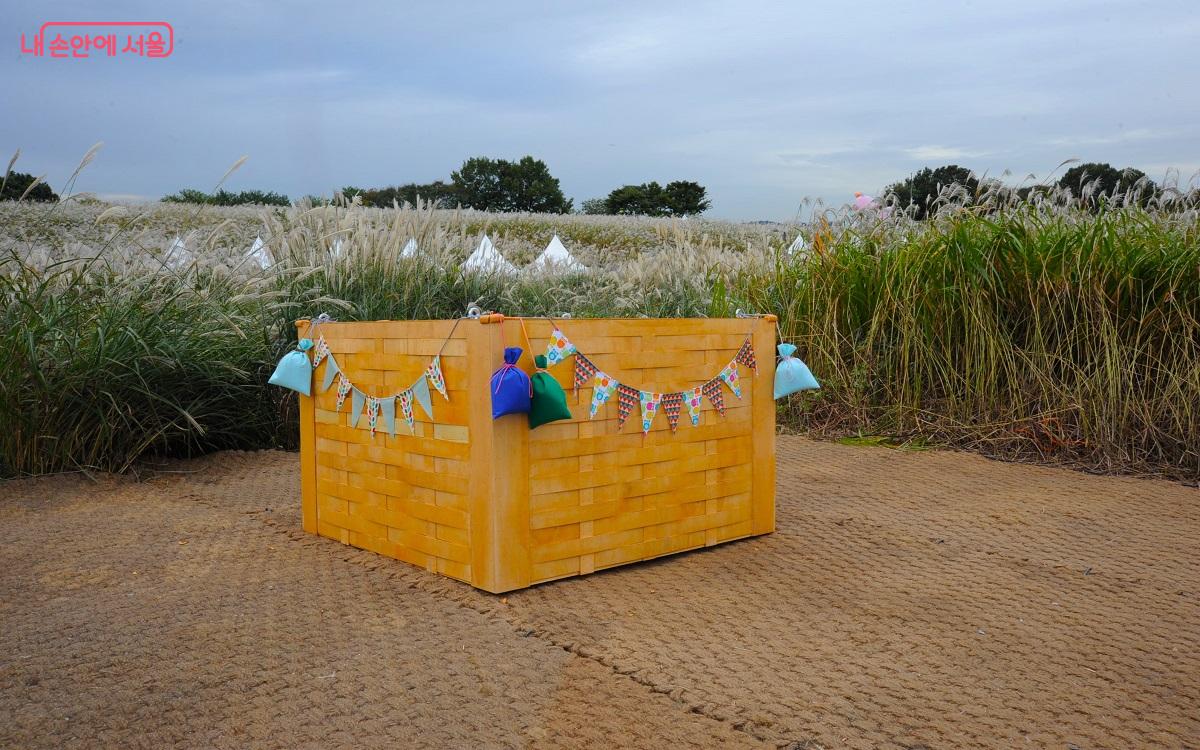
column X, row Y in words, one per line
column 558, row 349
column 388, row 408
column 694, row 400
column 729, row 374
column 745, row 356
column 672, row 403
column 602, row 391
column 650, row 402
column 712, row 391
column 406, row 409
column 420, row 392
column 626, row 399
column 357, row 399
column 331, row 369
column 322, row 351
column 343, row 388
column 372, row 414
column 434, row 373
column 584, row 370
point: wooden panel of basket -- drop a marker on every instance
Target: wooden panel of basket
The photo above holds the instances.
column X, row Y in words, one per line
column 401, row 496
column 602, row 497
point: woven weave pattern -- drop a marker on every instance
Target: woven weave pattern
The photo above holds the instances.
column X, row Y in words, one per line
column 401, row 496
column 502, row 507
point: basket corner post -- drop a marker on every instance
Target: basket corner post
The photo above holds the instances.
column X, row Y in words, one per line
column 498, row 487
column 308, row 451
column 763, row 435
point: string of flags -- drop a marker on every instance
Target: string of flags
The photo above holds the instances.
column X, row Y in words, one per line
column 650, row 403
column 539, row 396
column 381, row 407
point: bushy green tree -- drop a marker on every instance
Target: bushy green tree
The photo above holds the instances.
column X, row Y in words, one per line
column 923, row 188
column 679, row 198
column 1095, row 183
column 227, row 198
column 16, row 183
column 437, row 192
column 686, row 198
column 594, row 206
column 500, row 185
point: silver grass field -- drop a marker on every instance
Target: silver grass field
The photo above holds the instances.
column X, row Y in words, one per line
column 1023, row 330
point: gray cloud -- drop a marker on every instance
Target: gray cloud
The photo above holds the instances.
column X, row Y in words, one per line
column 764, row 103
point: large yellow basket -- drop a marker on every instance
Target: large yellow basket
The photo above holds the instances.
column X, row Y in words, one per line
column 502, row 507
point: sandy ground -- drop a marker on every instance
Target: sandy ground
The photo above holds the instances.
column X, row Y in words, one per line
column 908, row 600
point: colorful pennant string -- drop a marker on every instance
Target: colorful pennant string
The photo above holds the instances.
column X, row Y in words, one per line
column 388, row 407
column 343, row 388
column 672, row 403
column 372, row 414
column 729, row 376
column 712, row 391
column 694, row 399
column 373, row 406
column 434, row 375
column 745, row 356
column 406, row 409
column 627, row 398
column 322, row 351
column 559, row 348
column 584, row 370
column 602, row 391
column 650, row 402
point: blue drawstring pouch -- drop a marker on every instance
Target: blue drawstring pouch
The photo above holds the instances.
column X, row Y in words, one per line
column 295, row 369
column 510, row 387
column 791, row 374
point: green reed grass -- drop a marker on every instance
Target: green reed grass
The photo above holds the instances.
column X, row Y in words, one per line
column 1060, row 336
column 1024, row 331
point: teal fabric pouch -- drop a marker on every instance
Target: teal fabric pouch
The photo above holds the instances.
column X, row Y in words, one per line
column 295, row 370
column 791, row 374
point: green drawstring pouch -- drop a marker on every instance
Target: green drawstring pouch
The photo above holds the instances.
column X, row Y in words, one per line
column 549, row 399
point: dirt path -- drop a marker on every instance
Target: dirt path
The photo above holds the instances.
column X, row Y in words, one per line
column 908, row 600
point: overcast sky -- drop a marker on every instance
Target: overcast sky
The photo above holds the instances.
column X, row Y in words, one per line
column 765, row 104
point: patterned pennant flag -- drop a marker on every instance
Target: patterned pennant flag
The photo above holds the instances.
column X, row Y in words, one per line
column 694, row 399
column 406, row 410
column 626, row 399
column 584, row 370
column 712, row 391
column 343, row 388
column 357, row 399
column 745, row 356
column 388, row 407
column 434, row 373
column 559, row 348
column 420, row 392
column 372, row 414
column 322, row 350
column 650, row 402
column 729, row 374
column 672, row 403
column 331, row 369
column 602, row 391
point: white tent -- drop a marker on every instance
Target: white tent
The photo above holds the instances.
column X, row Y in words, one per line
column 488, row 259
column 177, row 255
column 410, row 248
column 259, row 254
column 557, row 257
